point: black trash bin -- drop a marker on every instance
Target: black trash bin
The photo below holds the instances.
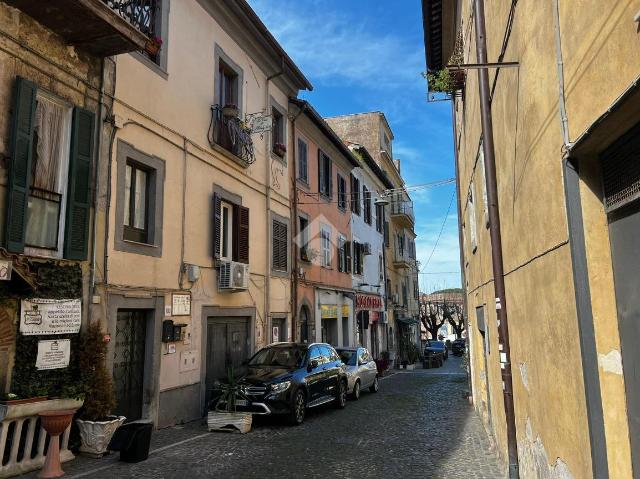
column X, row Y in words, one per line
column 132, row 440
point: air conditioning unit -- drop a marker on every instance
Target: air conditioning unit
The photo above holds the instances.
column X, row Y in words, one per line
column 233, row 276
column 366, row 248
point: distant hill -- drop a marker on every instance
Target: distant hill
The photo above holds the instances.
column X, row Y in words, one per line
column 450, row 290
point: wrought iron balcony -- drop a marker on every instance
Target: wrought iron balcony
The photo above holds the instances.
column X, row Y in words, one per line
column 402, row 259
column 401, row 210
column 230, row 133
column 100, row 27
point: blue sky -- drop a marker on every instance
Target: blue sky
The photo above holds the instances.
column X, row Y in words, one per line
column 367, row 55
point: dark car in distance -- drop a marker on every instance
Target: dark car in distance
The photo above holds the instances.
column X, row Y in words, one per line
column 287, row 378
column 458, row 347
column 434, row 346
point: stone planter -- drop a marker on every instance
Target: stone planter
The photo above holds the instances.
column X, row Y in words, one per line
column 96, row 435
column 229, row 421
column 410, row 367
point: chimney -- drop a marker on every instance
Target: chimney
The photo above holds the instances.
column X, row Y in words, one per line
column 397, row 163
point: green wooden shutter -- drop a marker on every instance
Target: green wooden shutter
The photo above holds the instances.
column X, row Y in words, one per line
column 21, row 151
column 347, row 254
column 76, row 235
column 217, row 225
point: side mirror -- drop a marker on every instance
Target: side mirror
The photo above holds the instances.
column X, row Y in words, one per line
column 312, row 364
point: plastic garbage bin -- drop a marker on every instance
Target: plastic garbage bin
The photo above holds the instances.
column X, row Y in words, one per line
column 132, row 440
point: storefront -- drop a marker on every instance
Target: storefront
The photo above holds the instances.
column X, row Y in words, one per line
column 334, row 318
column 370, row 318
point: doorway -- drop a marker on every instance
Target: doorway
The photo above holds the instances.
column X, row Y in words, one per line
column 129, row 362
column 278, row 331
column 227, row 347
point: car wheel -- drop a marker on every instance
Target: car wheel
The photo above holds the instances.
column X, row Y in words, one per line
column 356, row 391
column 374, row 387
column 298, row 408
column 341, row 395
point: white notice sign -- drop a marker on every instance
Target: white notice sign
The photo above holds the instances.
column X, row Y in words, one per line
column 53, row 354
column 181, row 304
column 50, row 316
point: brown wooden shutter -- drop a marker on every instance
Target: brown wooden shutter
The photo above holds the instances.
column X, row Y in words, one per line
column 76, row 238
column 279, row 246
column 330, row 176
column 386, row 234
column 21, row 151
column 242, row 235
column 217, row 225
column 320, row 173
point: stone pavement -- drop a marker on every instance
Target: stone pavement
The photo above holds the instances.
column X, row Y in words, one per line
column 419, row 425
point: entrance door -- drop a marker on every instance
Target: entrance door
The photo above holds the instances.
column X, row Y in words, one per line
column 128, row 363
column 278, row 333
column 227, row 347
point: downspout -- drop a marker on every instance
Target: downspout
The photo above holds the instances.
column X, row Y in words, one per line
column 94, row 186
column 294, row 220
column 496, row 241
column 267, row 165
column 465, row 306
column 577, row 245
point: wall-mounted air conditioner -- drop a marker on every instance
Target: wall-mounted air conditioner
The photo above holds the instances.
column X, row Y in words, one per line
column 233, row 276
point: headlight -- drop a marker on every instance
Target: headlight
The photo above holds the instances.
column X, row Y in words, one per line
column 280, row 387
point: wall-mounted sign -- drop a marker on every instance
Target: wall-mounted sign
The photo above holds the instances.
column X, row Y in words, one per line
column 5, row 270
column 181, row 304
column 260, row 123
column 367, row 301
column 53, row 354
column 328, row 311
column 275, row 333
column 50, row 316
column 345, row 310
column 167, row 310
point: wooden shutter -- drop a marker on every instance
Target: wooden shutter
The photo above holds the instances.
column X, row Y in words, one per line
column 21, row 151
column 279, row 245
column 217, row 225
column 242, row 236
column 347, row 254
column 386, row 234
column 321, row 181
column 76, row 234
column 330, row 176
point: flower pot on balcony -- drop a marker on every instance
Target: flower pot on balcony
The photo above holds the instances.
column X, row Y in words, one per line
column 230, row 111
column 95, row 435
column 279, row 149
column 152, row 47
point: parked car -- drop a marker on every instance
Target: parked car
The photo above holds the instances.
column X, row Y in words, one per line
column 438, row 347
column 362, row 371
column 458, row 347
column 287, row 378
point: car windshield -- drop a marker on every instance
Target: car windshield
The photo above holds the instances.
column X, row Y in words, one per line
column 348, row 356
column 436, row 344
column 279, row 356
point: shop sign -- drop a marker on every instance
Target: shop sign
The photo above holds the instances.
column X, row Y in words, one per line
column 328, row 311
column 345, row 310
column 53, row 354
column 5, row 270
column 50, row 316
column 364, row 301
column 181, row 304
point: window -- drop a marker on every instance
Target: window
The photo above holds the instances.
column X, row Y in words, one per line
column 342, row 193
column 366, row 197
column 325, row 178
column 278, row 137
column 355, row 195
column 303, row 162
column 343, row 255
column 304, row 239
column 325, row 245
column 358, row 258
column 230, row 228
column 136, row 203
column 48, row 175
column 228, row 85
column 225, row 130
column 471, row 211
column 379, row 218
column 280, row 249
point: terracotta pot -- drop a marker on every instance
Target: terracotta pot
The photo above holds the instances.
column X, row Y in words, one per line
column 96, row 435
column 55, row 423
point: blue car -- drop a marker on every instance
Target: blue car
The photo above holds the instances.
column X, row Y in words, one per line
column 434, row 346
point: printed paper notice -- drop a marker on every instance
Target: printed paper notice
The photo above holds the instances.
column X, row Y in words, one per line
column 50, row 316
column 53, row 354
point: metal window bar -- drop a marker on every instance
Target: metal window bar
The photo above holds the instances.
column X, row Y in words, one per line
column 141, row 14
column 231, row 134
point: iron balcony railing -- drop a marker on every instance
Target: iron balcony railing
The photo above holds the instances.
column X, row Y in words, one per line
column 230, row 133
column 142, row 14
column 402, row 205
column 401, row 255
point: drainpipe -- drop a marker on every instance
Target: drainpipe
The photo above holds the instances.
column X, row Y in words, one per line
column 267, row 166
column 577, row 245
column 496, row 240
column 294, row 232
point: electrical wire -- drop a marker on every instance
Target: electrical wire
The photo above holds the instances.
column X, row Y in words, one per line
column 453, row 195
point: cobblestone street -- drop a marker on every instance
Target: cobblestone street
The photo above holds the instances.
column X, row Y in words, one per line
column 418, row 425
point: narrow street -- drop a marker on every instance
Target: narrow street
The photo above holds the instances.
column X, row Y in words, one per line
column 418, row 425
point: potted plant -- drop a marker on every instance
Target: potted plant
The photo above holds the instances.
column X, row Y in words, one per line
column 224, row 416
column 11, row 399
column 95, row 422
column 279, row 149
column 153, row 46
column 230, row 111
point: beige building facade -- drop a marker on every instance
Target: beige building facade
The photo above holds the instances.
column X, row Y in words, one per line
column 194, row 266
column 565, row 117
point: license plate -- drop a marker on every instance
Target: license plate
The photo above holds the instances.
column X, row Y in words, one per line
column 242, row 402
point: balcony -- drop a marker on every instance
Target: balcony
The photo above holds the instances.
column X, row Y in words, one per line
column 231, row 134
column 402, row 259
column 401, row 209
column 99, row 27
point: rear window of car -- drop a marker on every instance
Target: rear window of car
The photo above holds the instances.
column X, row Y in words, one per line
column 348, row 356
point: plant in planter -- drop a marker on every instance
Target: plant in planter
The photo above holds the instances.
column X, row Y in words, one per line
column 10, row 399
column 153, row 46
column 230, row 111
column 279, row 149
column 224, row 416
column 96, row 424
